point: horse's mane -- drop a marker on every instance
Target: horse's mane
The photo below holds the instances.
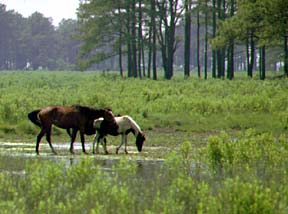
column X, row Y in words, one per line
column 133, row 124
column 85, row 110
column 89, row 112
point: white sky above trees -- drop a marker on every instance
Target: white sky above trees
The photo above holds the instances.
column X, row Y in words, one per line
column 56, row 9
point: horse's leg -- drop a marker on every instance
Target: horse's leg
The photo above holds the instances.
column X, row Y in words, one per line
column 69, row 132
column 123, row 140
column 48, row 138
column 105, row 147
column 39, row 137
column 73, row 137
column 125, row 137
column 83, row 142
column 104, row 142
column 96, row 139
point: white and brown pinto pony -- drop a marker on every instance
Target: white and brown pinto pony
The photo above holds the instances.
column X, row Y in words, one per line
column 125, row 125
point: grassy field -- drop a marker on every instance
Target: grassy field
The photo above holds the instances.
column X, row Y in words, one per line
column 226, row 145
column 179, row 105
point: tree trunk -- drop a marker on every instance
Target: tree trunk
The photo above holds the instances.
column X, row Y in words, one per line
column 206, row 40
column 250, row 54
column 149, row 52
column 143, row 59
column 221, row 52
column 129, row 59
column 154, row 33
column 133, row 39
column 120, row 47
column 120, row 55
column 198, row 44
column 248, row 57
column 286, row 55
column 167, row 18
column 230, row 68
column 262, row 61
column 140, row 39
column 128, row 42
column 187, row 39
column 171, row 38
column 214, row 53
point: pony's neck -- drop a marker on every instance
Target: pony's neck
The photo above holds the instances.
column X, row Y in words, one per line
column 134, row 126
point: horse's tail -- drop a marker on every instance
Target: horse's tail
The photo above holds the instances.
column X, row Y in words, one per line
column 33, row 117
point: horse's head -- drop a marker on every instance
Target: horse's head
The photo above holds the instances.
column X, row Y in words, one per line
column 107, row 114
column 106, row 124
column 140, row 141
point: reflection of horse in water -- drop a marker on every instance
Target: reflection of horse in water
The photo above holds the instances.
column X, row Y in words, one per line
column 78, row 118
column 125, row 125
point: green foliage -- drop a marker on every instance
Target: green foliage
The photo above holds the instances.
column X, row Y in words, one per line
column 249, row 148
column 189, row 105
column 51, row 188
column 250, row 177
column 247, row 197
column 264, row 19
column 243, row 169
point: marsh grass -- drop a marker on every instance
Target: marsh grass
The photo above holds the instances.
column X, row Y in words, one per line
column 225, row 146
column 182, row 105
column 243, row 175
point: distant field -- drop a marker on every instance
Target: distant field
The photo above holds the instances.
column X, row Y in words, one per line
column 178, row 105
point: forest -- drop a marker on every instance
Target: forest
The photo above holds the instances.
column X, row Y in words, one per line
column 34, row 43
column 213, row 38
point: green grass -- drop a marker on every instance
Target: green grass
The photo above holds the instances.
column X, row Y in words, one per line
column 243, row 175
column 224, row 146
column 182, row 105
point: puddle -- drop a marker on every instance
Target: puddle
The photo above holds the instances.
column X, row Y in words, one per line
column 15, row 155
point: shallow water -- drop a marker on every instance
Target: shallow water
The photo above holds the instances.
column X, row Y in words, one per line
column 15, row 155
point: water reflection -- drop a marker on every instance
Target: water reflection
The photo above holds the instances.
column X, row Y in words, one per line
column 15, row 156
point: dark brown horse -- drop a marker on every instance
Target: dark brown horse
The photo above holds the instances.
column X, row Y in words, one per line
column 78, row 118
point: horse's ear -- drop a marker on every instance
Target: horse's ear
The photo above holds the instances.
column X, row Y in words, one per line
column 108, row 109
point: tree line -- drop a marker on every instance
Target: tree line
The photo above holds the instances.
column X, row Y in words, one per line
column 210, row 37
column 34, row 43
column 230, row 35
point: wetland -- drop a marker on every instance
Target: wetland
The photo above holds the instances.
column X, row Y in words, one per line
column 211, row 146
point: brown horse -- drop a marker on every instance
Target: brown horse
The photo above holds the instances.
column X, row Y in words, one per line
column 78, row 118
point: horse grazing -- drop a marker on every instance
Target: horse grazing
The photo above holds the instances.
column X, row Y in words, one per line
column 125, row 125
column 76, row 117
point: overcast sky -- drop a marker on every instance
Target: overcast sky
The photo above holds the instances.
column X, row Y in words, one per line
column 56, row 9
